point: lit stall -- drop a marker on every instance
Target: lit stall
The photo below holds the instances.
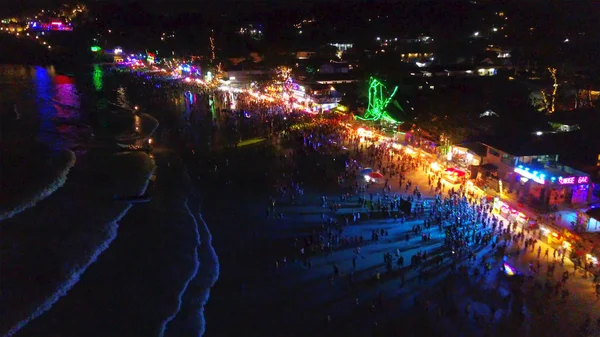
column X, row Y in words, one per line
column 463, row 156
column 435, row 167
column 501, row 208
column 454, row 175
column 472, row 188
column 365, row 134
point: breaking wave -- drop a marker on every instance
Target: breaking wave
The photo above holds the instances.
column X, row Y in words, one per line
column 33, row 197
column 73, row 278
column 190, row 319
column 166, row 322
column 76, row 272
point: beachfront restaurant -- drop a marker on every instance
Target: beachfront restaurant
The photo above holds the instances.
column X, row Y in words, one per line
column 463, row 156
column 551, row 185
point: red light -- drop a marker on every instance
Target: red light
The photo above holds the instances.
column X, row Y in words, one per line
column 57, row 23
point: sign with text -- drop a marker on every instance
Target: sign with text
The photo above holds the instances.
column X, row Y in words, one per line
column 573, row 180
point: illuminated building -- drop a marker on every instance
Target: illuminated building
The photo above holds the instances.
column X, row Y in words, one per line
column 54, row 25
column 304, row 55
column 342, row 46
column 319, row 97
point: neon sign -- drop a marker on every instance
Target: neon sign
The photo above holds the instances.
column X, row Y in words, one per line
column 538, row 178
column 573, row 180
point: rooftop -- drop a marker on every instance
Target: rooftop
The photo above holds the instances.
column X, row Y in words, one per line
column 530, row 144
column 586, row 117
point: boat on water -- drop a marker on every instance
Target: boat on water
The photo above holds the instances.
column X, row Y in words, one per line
column 135, row 147
column 136, row 199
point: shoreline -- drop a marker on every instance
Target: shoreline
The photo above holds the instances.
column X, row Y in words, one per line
column 30, row 199
column 190, row 318
column 55, row 245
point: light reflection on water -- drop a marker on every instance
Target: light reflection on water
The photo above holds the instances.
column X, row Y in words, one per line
column 45, row 106
column 98, row 77
column 56, row 109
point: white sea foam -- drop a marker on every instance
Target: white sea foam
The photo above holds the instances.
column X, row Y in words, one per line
column 190, row 317
column 73, row 277
column 76, row 273
column 163, row 327
column 44, row 192
column 210, row 272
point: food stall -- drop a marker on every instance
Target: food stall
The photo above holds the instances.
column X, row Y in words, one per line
column 504, row 210
column 454, row 175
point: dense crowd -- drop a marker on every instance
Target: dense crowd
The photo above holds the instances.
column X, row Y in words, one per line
column 474, row 240
column 457, row 234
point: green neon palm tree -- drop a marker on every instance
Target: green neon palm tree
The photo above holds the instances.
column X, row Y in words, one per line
column 378, row 103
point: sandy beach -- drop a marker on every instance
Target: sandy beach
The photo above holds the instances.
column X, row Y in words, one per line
column 278, row 294
column 47, row 248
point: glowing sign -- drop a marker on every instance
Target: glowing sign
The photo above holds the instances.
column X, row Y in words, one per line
column 566, row 181
column 378, row 102
column 573, row 180
column 95, row 49
column 538, row 178
column 55, row 23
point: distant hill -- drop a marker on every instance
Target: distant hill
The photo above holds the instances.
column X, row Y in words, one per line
column 16, row 50
column 66, row 48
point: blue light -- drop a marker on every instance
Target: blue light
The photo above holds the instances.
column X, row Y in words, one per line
column 542, row 176
column 534, row 172
column 553, row 178
column 527, row 169
column 520, row 166
column 559, row 178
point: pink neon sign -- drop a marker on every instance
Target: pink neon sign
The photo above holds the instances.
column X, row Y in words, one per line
column 573, row 180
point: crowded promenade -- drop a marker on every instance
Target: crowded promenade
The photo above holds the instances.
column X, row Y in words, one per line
column 382, row 258
column 405, row 252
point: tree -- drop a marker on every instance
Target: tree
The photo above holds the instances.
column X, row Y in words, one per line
column 544, row 101
column 538, row 100
column 554, row 89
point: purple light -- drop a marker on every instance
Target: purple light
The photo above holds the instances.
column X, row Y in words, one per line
column 509, row 270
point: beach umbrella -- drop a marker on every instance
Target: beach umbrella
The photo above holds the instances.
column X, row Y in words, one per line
column 375, row 175
column 366, row 170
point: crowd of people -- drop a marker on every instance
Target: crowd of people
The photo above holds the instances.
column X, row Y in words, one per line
column 443, row 231
column 473, row 240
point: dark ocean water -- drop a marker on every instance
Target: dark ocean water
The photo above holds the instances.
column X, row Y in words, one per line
column 80, row 263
